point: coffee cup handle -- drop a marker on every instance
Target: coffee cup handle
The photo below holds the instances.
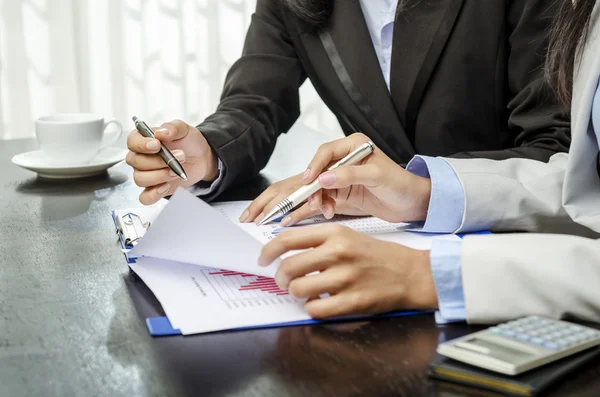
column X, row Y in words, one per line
column 114, row 136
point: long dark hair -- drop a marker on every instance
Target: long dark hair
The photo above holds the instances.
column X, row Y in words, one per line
column 568, row 31
column 314, row 13
column 317, row 13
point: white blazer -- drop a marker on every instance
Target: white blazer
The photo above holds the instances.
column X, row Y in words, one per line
column 557, row 275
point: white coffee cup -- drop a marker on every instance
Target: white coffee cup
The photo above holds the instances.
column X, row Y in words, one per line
column 74, row 138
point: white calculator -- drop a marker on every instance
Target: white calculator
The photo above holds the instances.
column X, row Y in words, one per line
column 518, row 346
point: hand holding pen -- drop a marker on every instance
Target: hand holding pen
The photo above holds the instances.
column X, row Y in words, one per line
column 300, row 195
column 163, row 152
column 156, row 171
column 375, row 186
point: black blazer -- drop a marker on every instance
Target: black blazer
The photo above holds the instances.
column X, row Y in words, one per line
column 466, row 81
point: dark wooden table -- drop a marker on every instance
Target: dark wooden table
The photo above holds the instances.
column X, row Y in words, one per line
column 72, row 316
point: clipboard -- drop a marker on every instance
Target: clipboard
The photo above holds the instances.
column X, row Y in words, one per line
column 131, row 226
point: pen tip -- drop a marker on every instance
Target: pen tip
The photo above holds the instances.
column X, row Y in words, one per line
column 184, row 177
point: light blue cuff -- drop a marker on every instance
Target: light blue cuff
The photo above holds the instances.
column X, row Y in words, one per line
column 447, row 202
column 205, row 191
column 447, row 276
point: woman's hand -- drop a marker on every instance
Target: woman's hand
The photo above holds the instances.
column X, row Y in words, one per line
column 377, row 186
column 268, row 199
column 362, row 275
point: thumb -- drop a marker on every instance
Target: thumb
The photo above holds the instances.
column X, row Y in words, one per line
column 368, row 175
column 173, row 131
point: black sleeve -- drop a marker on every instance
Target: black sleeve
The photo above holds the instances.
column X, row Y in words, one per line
column 539, row 124
column 260, row 98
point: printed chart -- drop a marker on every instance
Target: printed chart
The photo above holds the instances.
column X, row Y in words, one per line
column 243, row 290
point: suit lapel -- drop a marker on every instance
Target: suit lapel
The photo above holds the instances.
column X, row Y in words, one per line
column 420, row 36
column 354, row 47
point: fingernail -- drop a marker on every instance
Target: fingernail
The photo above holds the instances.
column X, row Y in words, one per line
column 173, row 175
column 281, row 282
column 262, row 261
column 179, row 155
column 152, row 145
column 244, row 216
column 306, row 174
column 163, row 189
column 285, row 221
column 325, row 212
column 164, row 131
column 327, row 178
column 259, row 218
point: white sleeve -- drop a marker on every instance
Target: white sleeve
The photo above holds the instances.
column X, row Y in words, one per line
column 515, row 195
column 512, row 275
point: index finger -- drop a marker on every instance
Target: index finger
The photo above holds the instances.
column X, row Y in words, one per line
column 290, row 240
column 331, row 151
column 138, row 143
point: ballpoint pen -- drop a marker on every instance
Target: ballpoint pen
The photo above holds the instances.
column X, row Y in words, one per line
column 164, row 153
column 300, row 195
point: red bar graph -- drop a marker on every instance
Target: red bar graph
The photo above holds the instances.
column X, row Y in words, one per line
column 258, row 283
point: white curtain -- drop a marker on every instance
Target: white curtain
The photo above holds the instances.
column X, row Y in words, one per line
column 157, row 59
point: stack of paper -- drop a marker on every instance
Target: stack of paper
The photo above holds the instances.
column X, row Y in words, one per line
column 201, row 264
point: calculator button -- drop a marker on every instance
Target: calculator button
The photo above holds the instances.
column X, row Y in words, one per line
column 562, row 343
column 551, row 345
column 580, row 337
column 554, row 327
column 538, row 341
column 572, row 339
column 522, row 337
column 508, row 332
column 590, row 334
column 555, row 335
column 545, row 331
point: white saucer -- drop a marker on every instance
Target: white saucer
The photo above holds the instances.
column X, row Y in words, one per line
column 36, row 161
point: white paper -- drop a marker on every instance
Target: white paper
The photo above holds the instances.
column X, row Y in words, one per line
column 189, row 230
column 198, row 299
column 400, row 233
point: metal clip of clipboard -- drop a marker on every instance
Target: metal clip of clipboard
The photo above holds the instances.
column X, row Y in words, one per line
column 131, row 228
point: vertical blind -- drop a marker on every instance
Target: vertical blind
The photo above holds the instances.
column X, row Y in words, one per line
column 158, row 59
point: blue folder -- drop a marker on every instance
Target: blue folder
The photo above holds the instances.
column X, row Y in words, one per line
column 161, row 326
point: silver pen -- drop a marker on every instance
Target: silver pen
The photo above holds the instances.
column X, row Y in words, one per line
column 164, row 153
column 299, row 196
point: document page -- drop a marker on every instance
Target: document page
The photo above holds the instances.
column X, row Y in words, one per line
column 198, row 299
column 188, row 230
column 400, row 233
